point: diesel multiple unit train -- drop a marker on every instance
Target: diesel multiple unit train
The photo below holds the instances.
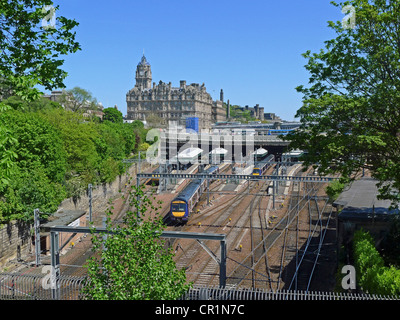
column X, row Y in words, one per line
column 261, row 166
column 183, row 204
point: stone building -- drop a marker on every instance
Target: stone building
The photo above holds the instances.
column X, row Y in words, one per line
column 171, row 105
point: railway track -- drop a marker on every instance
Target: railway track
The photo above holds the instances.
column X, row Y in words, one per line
column 303, row 276
column 257, row 268
column 217, row 220
column 283, row 235
column 221, row 218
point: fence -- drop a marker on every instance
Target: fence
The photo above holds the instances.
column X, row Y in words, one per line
column 36, row 287
column 216, row 293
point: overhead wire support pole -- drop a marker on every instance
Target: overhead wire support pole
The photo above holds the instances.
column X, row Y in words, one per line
column 55, row 254
column 90, row 202
column 138, row 195
column 36, row 224
column 55, row 264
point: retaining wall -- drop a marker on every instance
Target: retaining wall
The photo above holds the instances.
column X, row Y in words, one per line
column 16, row 238
column 15, row 241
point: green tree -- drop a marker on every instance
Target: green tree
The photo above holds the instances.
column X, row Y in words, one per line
column 29, row 56
column 78, row 99
column 335, row 188
column 113, row 115
column 79, row 138
column 37, row 142
column 372, row 274
column 133, row 263
column 41, row 104
column 30, row 53
column 350, row 117
column 39, row 166
column 7, row 154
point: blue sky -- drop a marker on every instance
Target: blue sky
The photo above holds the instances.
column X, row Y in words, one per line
column 250, row 49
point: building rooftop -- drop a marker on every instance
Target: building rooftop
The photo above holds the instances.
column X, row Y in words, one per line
column 359, row 201
column 143, row 61
column 189, row 153
column 260, row 151
column 219, row 151
column 63, row 218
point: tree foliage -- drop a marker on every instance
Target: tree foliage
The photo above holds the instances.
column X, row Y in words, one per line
column 350, row 117
column 40, row 104
column 113, row 115
column 78, row 99
column 30, row 55
column 37, row 142
column 133, row 262
column 53, row 153
column 371, row 273
column 335, row 188
column 237, row 114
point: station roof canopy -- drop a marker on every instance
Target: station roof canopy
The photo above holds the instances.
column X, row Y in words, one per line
column 219, row 151
column 189, row 154
column 360, row 202
column 260, row 151
column 294, row 153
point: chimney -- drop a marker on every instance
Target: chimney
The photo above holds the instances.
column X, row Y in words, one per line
column 183, row 84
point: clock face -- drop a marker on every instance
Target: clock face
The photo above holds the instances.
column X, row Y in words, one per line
column 141, row 73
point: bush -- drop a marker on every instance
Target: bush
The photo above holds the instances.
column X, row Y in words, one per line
column 54, row 153
column 335, row 188
column 372, row 275
column 134, row 262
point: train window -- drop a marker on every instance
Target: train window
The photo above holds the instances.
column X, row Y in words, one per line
column 178, row 207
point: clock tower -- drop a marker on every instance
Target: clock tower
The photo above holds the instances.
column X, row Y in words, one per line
column 143, row 74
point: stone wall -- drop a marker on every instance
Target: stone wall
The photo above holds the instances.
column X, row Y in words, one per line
column 101, row 194
column 15, row 241
column 16, row 238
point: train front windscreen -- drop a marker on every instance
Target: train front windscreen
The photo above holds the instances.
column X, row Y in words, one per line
column 178, row 208
column 256, row 171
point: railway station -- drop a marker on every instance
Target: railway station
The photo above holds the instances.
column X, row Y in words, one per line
column 260, row 217
column 274, row 229
column 275, row 222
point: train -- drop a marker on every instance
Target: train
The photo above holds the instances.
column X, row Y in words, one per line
column 261, row 166
column 155, row 178
column 184, row 203
column 282, row 132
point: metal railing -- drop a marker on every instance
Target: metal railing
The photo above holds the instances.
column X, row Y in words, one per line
column 216, row 293
column 14, row 286
column 38, row 287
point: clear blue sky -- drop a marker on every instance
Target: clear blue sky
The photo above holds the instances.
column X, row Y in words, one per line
column 250, row 49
